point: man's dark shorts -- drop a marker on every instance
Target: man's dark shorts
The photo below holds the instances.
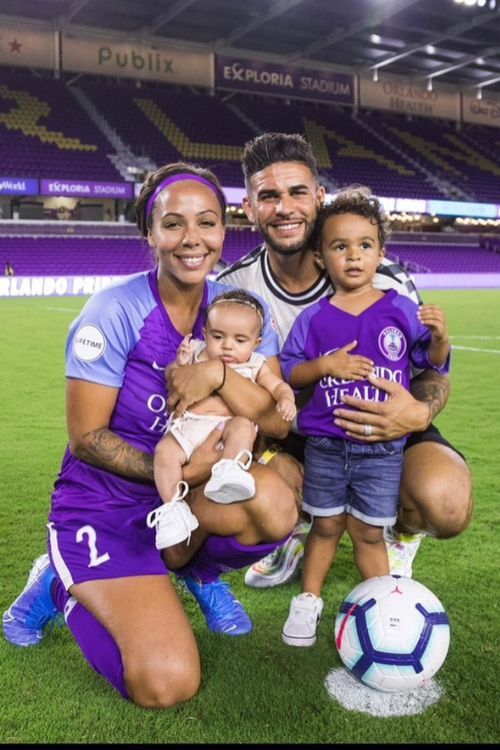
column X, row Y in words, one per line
column 294, row 443
column 430, row 435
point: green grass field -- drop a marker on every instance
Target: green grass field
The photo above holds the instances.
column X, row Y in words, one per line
column 255, row 689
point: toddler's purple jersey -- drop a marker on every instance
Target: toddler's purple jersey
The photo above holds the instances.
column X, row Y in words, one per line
column 124, row 339
column 388, row 332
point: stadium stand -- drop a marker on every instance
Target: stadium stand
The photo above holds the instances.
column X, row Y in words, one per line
column 464, row 168
column 347, row 150
column 68, row 256
column 440, row 259
column 168, row 125
column 79, row 131
column 51, row 248
column 45, row 133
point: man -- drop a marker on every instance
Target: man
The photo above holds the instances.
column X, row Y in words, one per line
column 283, row 197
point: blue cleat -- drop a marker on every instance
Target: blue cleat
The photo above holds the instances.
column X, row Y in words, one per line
column 223, row 612
column 27, row 616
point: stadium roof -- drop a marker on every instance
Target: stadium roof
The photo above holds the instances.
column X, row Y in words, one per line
column 442, row 40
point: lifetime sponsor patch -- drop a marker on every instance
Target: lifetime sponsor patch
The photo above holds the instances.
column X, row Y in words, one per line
column 89, row 344
column 392, row 343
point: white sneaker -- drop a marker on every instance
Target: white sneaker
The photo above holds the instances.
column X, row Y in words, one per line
column 401, row 551
column 305, row 613
column 174, row 521
column 230, row 481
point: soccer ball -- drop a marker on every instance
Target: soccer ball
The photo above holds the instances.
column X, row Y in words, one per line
column 392, row 633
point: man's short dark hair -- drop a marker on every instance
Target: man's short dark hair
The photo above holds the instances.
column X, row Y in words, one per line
column 269, row 148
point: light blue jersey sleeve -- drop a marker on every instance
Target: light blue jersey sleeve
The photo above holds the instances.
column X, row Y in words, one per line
column 107, row 329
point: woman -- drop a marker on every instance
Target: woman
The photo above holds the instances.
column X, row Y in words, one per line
column 104, row 571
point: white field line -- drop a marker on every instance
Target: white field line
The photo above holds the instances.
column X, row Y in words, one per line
column 475, row 349
column 64, row 309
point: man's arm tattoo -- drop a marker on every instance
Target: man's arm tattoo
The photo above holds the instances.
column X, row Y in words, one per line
column 433, row 389
column 104, row 449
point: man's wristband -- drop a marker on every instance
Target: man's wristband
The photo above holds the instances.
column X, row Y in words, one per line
column 216, row 390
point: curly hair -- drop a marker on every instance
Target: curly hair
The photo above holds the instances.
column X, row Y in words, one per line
column 359, row 200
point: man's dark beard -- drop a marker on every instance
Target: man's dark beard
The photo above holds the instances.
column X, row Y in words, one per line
column 288, row 250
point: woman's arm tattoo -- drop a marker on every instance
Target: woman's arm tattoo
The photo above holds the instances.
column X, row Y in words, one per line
column 104, row 449
column 433, row 389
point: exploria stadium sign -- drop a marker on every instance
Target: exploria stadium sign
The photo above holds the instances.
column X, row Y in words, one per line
column 237, row 73
column 87, row 189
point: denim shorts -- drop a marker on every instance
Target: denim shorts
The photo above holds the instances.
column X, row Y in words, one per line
column 345, row 477
column 294, row 444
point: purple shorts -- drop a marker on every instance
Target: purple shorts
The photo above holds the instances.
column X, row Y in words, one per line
column 107, row 542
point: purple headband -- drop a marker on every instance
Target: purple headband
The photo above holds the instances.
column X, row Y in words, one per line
column 178, row 178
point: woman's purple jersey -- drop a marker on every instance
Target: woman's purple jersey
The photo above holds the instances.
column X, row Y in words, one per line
column 388, row 332
column 124, row 339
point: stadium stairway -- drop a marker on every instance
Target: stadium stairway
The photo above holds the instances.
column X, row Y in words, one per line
column 446, row 188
